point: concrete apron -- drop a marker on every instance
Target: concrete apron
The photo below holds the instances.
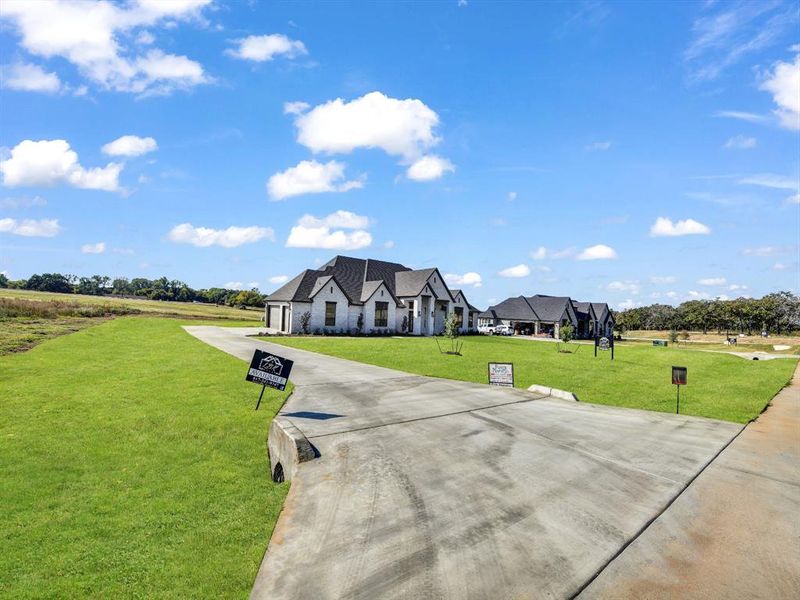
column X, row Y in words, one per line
column 431, row 488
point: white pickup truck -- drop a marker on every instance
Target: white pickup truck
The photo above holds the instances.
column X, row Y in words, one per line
column 496, row 330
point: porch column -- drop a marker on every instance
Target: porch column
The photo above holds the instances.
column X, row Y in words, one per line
column 536, row 328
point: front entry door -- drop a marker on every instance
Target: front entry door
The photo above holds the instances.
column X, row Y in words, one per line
column 411, row 321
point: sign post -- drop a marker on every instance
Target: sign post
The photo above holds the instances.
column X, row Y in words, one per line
column 604, row 343
column 269, row 370
column 501, row 374
column 678, row 379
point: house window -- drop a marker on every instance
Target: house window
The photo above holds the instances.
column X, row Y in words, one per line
column 459, row 315
column 381, row 314
column 471, row 320
column 330, row 314
column 331, row 289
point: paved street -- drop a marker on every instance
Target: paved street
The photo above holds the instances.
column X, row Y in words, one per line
column 431, row 488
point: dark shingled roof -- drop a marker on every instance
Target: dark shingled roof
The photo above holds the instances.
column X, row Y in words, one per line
column 516, row 308
column 543, row 308
column 358, row 278
column 410, row 283
column 549, row 308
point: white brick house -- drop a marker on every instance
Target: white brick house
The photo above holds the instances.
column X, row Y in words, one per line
column 389, row 297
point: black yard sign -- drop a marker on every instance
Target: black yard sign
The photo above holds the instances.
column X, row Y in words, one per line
column 604, row 343
column 269, row 370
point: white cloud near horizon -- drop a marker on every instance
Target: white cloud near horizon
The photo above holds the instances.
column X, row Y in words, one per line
column 263, row 48
column 517, row 271
column 341, row 230
column 130, row 145
column 712, row 281
column 664, row 227
column 278, row 279
column 232, row 237
column 98, row 248
column 783, row 82
column 51, row 162
column 311, row 177
column 96, row 37
column 30, row 227
column 470, row 278
column 295, row 108
column 665, row 279
column 597, row 252
column 631, row 287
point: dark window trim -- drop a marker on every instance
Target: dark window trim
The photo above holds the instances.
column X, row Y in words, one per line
column 330, row 319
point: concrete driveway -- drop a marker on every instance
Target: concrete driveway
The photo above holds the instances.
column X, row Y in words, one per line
column 431, row 488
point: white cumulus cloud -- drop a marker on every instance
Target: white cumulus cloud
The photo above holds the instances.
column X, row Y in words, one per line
column 398, row 127
column 97, row 248
column 470, row 278
column 664, row 227
column 597, row 252
column 130, row 145
column 233, row 236
column 262, row 48
column 660, row 280
column 520, row 270
column 429, row 168
column 311, row 177
column 783, row 82
column 52, row 162
column 278, row 279
column 99, row 39
column 30, row 227
column 26, row 77
column 342, row 230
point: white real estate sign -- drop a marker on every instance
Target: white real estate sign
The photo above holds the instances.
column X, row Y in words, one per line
column 501, row 374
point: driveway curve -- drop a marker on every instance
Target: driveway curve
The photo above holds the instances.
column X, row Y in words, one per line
column 432, row 488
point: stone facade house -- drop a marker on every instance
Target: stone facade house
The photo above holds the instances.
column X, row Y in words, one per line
column 383, row 297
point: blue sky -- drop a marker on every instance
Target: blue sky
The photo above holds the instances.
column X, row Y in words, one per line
column 626, row 152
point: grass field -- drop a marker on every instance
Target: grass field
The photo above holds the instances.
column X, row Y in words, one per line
column 155, row 307
column 28, row 318
column 133, row 465
column 715, row 341
column 720, row 386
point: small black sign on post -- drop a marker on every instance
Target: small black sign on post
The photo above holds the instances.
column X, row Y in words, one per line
column 678, row 379
column 604, row 343
column 501, row 374
column 269, row 370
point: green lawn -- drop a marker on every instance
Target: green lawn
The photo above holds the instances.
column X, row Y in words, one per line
column 720, row 386
column 133, row 465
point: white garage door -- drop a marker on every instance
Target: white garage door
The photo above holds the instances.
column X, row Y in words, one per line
column 275, row 317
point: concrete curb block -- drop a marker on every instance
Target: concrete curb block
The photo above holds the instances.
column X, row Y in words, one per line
column 554, row 392
column 288, row 447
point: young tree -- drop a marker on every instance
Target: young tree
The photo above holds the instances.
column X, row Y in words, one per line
column 3, row 280
column 404, row 324
column 452, row 331
column 566, row 333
